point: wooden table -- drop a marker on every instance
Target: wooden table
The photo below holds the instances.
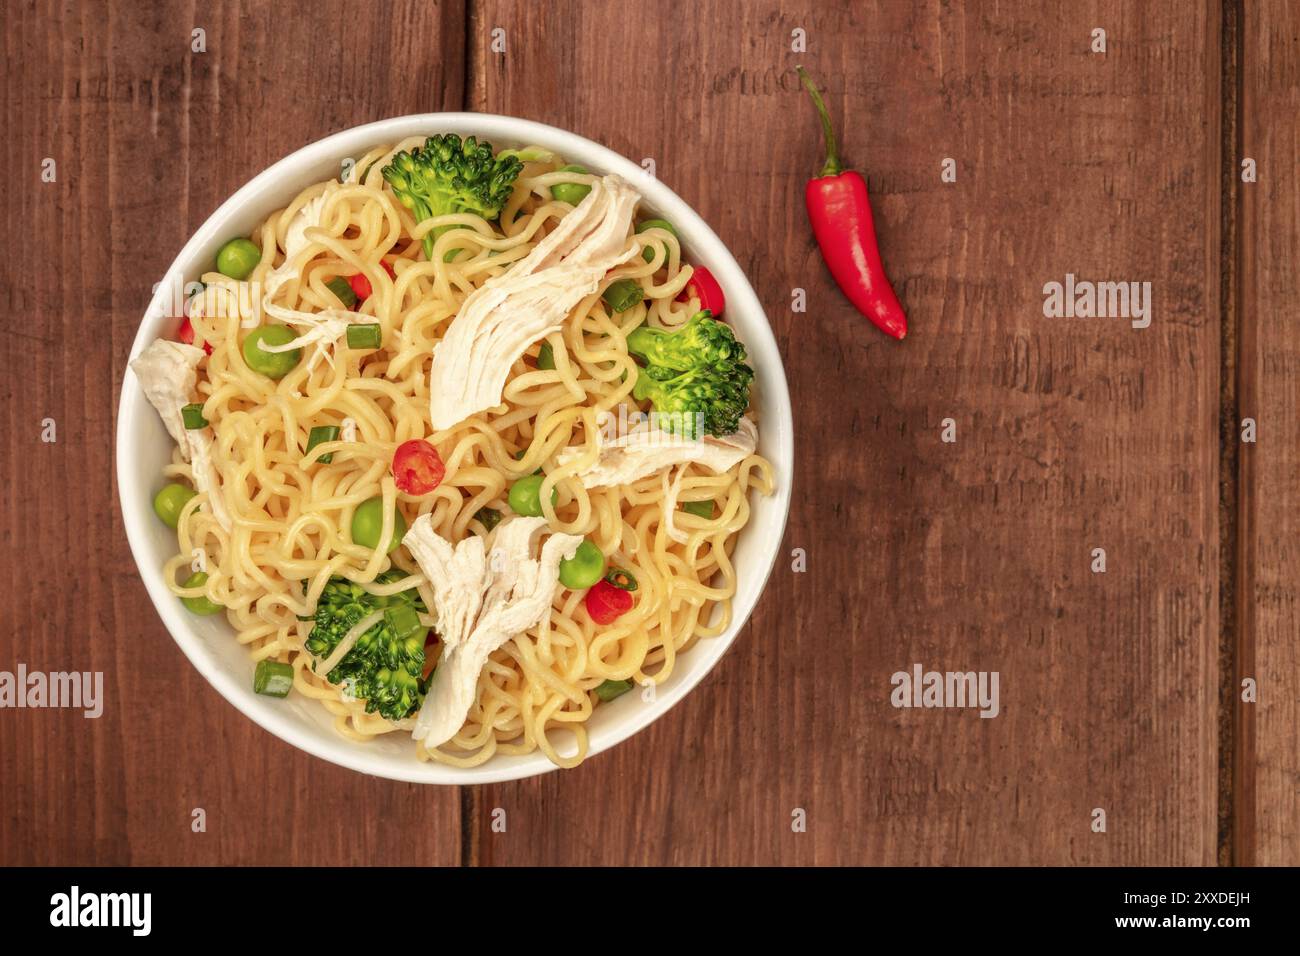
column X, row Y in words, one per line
column 1119, row 690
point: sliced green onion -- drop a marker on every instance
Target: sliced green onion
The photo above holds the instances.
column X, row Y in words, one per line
column 546, row 357
column 488, row 517
column 193, row 416
column 342, row 289
column 364, row 336
column 320, row 434
column 701, row 509
column 621, row 579
column 273, row 679
column 402, row 619
column 623, row 294
column 613, row 688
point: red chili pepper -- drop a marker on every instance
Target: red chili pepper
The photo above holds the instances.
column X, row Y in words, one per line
column 607, row 603
column 704, row 286
column 186, row 334
column 388, row 268
column 417, row 467
column 841, row 219
column 361, row 286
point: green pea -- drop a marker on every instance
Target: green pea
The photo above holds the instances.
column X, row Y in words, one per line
column 585, row 568
column 368, row 523
column 238, row 258
column 271, row 364
column 546, row 356
column 526, row 496
column 572, row 193
column 648, row 254
column 199, row 605
column 170, row 502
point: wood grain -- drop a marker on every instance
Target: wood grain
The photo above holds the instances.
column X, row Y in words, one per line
column 973, row 555
column 149, row 138
column 1270, row 358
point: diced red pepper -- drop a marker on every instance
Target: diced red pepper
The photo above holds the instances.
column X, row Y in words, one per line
column 704, row 287
column 417, row 467
column 186, row 334
column 361, row 286
column 388, row 268
column 607, row 603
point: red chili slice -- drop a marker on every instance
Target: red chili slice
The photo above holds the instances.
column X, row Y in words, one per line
column 388, row 268
column 607, row 603
column 361, row 286
column 704, row 287
column 417, row 467
column 186, row 334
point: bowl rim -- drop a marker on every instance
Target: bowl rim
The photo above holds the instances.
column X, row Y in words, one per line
column 777, row 441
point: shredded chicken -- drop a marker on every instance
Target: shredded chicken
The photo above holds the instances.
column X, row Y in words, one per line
column 649, row 450
column 323, row 329
column 167, row 371
column 482, row 599
column 530, row 301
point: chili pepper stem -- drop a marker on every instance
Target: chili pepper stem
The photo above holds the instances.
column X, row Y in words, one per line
column 832, row 167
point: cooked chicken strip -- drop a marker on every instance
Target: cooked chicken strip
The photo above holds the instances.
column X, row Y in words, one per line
column 167, row 371
column 648, row 450
column 530, row 301
column 482, row 600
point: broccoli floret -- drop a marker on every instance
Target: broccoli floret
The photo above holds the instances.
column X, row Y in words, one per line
column 385, row 667
column 696, row 377
column 448, row 174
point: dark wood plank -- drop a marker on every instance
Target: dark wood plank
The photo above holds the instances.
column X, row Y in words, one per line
column 974, row 555
column 149, row 138
column 1270, row 372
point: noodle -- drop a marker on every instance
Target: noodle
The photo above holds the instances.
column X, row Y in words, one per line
column 290, row 511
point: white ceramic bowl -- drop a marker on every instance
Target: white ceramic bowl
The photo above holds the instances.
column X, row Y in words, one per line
column 143, row 447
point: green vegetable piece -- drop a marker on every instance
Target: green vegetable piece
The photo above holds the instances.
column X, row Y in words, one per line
column 342, row 290
column 546, row 356
column 622, row 579
column 367, row 336
column 526, row 496
column 170, row 502
column 320, row 434
column 585, row 568
column 572, row 193
column 274, row 365
column 384, row 668
column 696, row 377
column 701, row 509
column 403, row 620
column 368, row 524
column 488, row 517
column 611, row 689
column 238, row 258
column 648, row 254
column 199, row 605
column 449, row 175
column 623, row 294
column 273, row 678
column 192, row 415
